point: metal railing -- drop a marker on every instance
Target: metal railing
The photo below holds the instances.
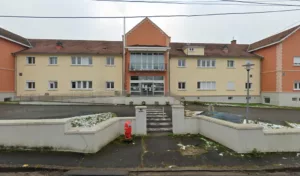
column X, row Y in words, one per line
column 148, row 67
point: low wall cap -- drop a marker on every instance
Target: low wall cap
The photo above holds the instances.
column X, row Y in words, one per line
column 177, row 106
column 141, row 107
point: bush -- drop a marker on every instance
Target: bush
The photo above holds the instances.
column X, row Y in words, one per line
column 156, row 103
column 131, row 103
column 143, row 103
column 127, row 95
column 167, row 103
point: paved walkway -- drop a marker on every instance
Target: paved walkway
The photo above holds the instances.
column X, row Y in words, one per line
column 155, row 152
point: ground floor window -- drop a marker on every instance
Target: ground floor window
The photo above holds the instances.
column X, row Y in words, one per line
column 297, row 85
column 81, row 84
column 147, row 85
column 110, row 85
column 267, row 99
column 30, row 85
column 181, row 85
column 53, row 85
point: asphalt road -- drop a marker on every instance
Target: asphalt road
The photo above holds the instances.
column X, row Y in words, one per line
column 46, row 112
column 269, row 115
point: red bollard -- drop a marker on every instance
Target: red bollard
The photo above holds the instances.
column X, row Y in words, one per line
column 127, row 129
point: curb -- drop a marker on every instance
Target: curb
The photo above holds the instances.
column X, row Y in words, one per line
column 20, row 168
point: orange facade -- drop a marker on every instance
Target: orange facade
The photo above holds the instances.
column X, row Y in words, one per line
column 7, row 65
column 268, row 69
column 271, row 65
column 146, row 34
column 290, row 47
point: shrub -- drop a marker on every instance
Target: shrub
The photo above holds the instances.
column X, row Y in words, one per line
column 131, row 103
column 143, row 103
column 167, row 103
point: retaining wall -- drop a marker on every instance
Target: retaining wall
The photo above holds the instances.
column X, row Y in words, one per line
column 242, row 138
column 59, row 135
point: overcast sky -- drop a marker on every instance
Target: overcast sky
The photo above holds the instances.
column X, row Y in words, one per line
column 217, row 29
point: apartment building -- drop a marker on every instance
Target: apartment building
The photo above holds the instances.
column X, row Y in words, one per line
column 70, row 67
column 9, row 43
column 280, row 75
column 213, row 72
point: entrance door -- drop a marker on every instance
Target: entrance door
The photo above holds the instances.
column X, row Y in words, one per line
column 147, row 89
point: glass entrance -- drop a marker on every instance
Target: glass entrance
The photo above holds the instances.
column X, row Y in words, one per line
column 147, row 89
column 147, row 85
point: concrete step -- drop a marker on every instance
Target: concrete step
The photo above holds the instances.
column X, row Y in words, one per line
column 159, row 123
column 159, row 119
column 157, row 116
column 159, row 129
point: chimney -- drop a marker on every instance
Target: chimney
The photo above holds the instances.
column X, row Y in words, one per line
column 59, row 45
column 233, row 42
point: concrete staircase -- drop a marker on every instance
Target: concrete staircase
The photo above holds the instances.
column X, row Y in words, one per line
column 158, row 121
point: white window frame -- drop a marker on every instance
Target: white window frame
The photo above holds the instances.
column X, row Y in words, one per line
column 191, row 49
column 110, row 61
column 206, row 85
column 229, row 65
column 181, row 63
column 297, row 85
column 251, row 85
column 32, row 62
column 206, row 63
column 110, row 85
column 230, row 85
column 296, row 61
column 82, row 85
column 53, row 57
column 180, row 85
column 52, row 82
column 27, row 85
column 82, row 60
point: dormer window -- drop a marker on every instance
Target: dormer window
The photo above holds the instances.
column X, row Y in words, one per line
column 191, row 49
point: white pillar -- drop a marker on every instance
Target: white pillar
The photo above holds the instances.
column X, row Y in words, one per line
column 178, row 119
column 141, row 120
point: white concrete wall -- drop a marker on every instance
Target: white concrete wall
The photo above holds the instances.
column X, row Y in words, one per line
column 223, row 99
column 282, row 98
column 6, row 95
column 58, row 133
column 242, row 138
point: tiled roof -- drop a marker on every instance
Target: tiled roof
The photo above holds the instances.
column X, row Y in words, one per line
column 14, row 37
column 272, row 39
column 213, row 50
column 45, row 46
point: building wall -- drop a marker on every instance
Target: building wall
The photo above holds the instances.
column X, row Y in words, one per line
column 64, row 73
column 7, row 66
column 268, row 69
column 146, row 33
column 191, row 74
column 291, row 72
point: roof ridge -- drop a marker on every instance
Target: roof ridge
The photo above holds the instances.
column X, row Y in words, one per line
column 79, row 40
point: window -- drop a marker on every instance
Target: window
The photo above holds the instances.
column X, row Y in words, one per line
column 250, row 85
column 110, row 85
column 230, row 64
column 147, row 61
column 206, row 85
column 30, row 85
column 81, row 84
column 30, row 60
column 230, row 86
column 181, row 63
column 297, row 85
column 210, row 63
column 294, row 99
column 181, row 85
column 53, row 85
column 80, row 60
column 191, row 49
column 110, row 61
column 52, row 60
column 297, row 61
column 267, row 100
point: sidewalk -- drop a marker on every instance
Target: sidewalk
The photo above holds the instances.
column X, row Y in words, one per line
column 153, row 152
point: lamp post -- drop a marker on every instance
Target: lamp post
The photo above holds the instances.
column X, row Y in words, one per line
column 248, row 66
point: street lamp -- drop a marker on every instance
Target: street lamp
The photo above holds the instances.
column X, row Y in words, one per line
column 248, row 66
